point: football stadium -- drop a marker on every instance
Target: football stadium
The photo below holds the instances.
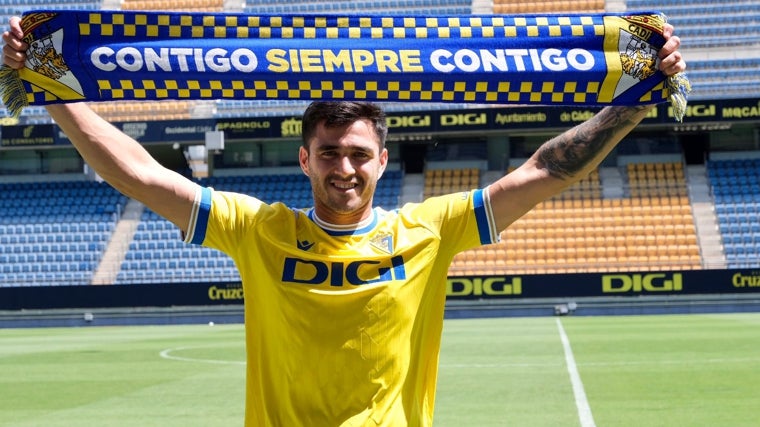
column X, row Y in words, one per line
column 630, row 299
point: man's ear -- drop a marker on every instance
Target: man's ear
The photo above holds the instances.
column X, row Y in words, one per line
column 383, row 162
column 303, row 160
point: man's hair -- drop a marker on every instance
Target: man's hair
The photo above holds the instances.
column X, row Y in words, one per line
column 342, row 113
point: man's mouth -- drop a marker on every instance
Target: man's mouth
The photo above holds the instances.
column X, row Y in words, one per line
column 344, row 185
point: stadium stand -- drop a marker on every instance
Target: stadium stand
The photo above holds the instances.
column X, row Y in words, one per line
column 567, row 234
column 736, row 191
column 186, row 5
column 724, row 78
column 707, row 24
column 656, row 179
column 728, row 27
column 441, row 7
column 157, row 255
column 444, row 181
column 547, row 6
column 54, row 233
column 138, row 111
column 10, row 8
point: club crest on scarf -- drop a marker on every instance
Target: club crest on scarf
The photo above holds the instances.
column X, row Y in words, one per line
column 637, row 55
column 46, row 60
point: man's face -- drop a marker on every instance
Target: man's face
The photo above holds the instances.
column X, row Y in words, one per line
column 343, row 164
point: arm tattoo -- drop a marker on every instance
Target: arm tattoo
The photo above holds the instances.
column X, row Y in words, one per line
column 567, row 154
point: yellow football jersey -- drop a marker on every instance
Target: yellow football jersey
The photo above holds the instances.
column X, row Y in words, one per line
column 343, row 324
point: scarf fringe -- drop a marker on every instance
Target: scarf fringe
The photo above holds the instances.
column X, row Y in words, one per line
column 12, row 91
column 680, row 88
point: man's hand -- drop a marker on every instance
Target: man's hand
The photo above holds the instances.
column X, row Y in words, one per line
column 14, row 49
column 671, row 60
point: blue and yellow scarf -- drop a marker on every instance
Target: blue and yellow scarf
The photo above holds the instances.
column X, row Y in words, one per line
column 573, row 59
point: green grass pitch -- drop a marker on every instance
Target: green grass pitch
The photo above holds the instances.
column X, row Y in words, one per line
column 690, row 370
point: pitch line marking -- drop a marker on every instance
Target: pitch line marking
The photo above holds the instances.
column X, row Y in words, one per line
column 581, row 402
column 167, row 354
column 719, row 361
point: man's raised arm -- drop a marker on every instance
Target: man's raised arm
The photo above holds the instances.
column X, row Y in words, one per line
column 571, row 156
column 117, row 158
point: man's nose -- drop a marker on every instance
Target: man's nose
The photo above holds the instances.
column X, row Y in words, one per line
column 345, row 166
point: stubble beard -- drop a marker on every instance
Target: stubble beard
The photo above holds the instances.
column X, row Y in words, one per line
column 337, row 201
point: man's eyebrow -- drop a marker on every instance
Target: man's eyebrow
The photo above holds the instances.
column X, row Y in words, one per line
column 329, row 147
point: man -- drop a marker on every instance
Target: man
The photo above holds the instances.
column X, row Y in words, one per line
column 344, row 303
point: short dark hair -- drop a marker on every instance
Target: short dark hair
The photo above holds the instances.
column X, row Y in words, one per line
column 342, row 113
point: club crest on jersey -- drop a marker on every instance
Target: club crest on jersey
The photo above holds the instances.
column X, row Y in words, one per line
column 383, row 242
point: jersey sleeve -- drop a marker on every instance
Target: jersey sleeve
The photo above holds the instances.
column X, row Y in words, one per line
column 220, row 219
column 461, row 220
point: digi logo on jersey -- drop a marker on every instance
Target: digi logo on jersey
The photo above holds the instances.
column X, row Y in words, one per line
column 338, row 274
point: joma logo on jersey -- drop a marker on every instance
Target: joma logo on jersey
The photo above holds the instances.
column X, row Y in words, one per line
column 360, row 272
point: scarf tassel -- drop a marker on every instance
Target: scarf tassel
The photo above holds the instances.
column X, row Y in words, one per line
column 680, row 88
column 12, row 91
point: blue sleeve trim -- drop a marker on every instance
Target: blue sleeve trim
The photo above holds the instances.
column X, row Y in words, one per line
column 202, row 210
column 484, row 217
